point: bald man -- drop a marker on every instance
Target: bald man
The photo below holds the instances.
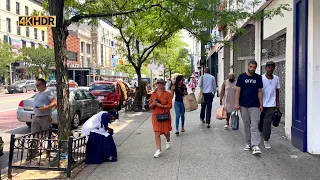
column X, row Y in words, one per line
column 208, row 86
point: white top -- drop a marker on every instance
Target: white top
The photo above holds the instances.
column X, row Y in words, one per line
column 93, row 124
column 209, row 83
column 269, row 90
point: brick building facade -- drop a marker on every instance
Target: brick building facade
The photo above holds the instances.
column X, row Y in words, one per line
column 73, row 48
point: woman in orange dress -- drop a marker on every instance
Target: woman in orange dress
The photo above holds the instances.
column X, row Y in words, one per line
column 161, row 103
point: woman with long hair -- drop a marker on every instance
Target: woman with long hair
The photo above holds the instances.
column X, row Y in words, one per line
column 179, row 89
column 160, row 104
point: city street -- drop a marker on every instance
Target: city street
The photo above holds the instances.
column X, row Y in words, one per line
column 8, row 106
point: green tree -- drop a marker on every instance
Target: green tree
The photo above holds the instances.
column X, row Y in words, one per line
column 143, row 25
column 128, row 68
column 173, row 55
column 40, row 60
column 7, row 56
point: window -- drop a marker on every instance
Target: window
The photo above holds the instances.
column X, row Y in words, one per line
column 72, row 56
column 18, row 29
column 79, row 96
column 27, row 31
column 42, row 35
column 17, row 8
column 26, row 10
column 82, row 47
column 89, row 62
column 35, row 33
column 103, row 87
column 101, row 49
column 8, row 5
column 8, row 25
column 88, row 95
column 88, row 49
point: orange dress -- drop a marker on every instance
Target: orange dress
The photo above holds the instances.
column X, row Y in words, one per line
column 165, row 99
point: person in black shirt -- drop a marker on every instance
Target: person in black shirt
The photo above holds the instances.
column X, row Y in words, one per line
column 249, row 102
column 179, row 89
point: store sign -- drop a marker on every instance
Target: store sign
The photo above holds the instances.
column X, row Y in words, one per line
column 72, row 65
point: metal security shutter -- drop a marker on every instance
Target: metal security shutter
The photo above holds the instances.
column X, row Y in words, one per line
column 275, row 50
column 226, row 61
column 243, row 52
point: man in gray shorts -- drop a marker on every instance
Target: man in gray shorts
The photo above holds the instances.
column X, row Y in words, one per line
column 43, row 104
column 249, row 102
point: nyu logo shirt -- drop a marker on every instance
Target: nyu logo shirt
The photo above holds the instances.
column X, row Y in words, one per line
column 250, row 86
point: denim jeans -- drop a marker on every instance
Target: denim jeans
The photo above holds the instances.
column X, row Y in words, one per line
column 180, row 110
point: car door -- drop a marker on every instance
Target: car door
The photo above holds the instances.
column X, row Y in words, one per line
column 87, row 102
column 81, row 102
column 95, row 104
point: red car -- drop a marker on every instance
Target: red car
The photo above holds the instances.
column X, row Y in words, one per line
column 73, row 84
column 109, row 93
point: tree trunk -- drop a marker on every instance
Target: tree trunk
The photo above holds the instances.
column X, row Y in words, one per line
column 60, row 33
column 139, row 94
column 170, row 71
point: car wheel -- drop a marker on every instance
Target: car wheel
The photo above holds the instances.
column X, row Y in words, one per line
column 24, row 90
column 76, row 120
column 29, row 124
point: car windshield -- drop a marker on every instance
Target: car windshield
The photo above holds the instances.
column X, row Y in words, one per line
column 20, row 82
column 102, row 87
column 54, row 91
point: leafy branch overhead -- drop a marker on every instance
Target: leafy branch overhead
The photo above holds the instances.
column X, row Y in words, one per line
column 39, row 59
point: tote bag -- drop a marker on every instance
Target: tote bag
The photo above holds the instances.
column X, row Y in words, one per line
column 221, row 113
column 190, row 102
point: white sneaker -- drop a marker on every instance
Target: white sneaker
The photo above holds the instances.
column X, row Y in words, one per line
column 256, row 150
column 168, row 145
column 267, row 145
column 247, row 148
column 157, row 154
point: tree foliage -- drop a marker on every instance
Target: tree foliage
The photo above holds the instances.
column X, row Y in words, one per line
column 7, row 56
column 39, row 59
column 128, row 68
column 174, row 56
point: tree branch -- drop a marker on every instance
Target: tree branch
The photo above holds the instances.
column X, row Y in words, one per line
column 127, row 42
column 77, row 18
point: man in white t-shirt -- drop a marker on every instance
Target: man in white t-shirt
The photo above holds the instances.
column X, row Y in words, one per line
column 270, row 93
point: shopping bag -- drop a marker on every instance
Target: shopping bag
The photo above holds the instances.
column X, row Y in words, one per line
column 276, row 118
column 234, row 120
column 200, row 98
column 221, row 113
column 190, row 102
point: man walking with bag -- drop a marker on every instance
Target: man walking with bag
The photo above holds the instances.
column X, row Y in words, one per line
column 270, row 92
column 249, row 102
column 208, row 86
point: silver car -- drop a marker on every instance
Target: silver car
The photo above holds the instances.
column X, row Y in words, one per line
column 83, row 105
column 22, row 86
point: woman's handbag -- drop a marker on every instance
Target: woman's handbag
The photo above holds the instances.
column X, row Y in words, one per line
column 276, row 118
column 200, row 98
column 221, row 113
column 162, row 117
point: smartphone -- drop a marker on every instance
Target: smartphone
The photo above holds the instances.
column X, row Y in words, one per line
column 37, row 107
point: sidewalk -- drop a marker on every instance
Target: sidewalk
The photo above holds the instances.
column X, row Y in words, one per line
column 201, row 153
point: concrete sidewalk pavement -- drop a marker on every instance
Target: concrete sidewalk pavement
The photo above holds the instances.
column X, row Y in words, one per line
column 200, row 153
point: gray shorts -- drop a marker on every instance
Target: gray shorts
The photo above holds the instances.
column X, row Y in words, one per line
column 41, row 123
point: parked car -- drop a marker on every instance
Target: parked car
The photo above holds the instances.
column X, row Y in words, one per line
column 1, row 146
column 22, row 86
column 52, row 83
column 83, row 105
column 109, row 93
column 73, row 84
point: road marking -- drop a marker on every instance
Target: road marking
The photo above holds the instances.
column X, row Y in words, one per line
column 9, row 110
